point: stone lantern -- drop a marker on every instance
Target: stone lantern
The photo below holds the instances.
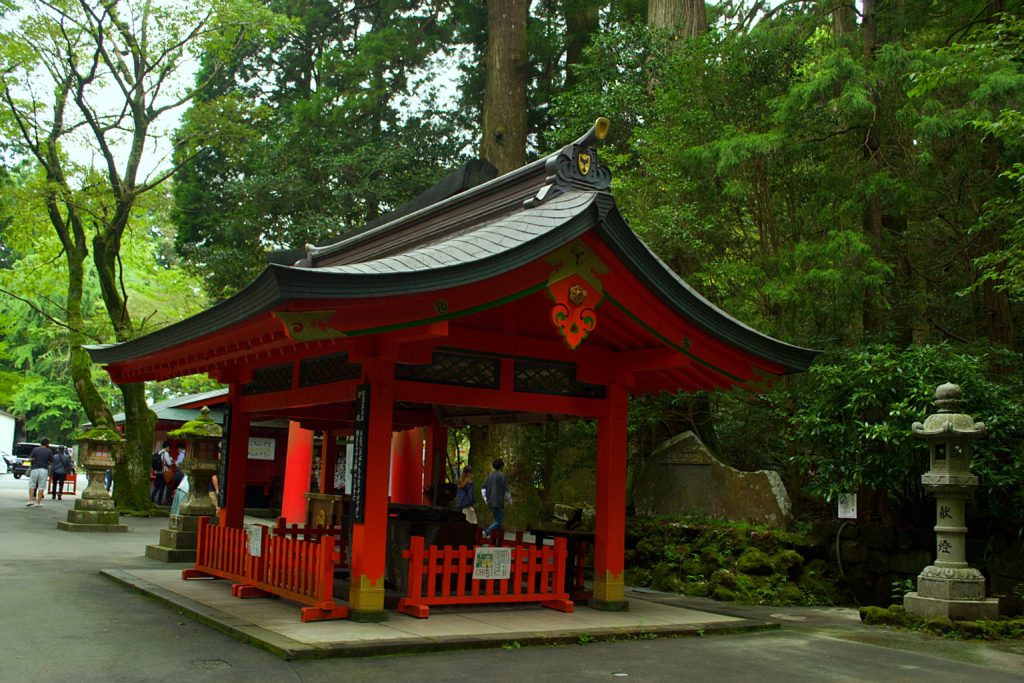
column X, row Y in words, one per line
column 98, row 450
column 202, row 439
column 950, row 587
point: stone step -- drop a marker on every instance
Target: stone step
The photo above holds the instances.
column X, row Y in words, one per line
column 165, row 554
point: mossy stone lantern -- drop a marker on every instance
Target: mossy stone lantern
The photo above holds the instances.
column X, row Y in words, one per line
column 202, row 439
column 950, row 587
column 99, row 449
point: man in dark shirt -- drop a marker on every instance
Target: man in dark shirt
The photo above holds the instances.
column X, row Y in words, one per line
column 41, row 457
column 496, row 494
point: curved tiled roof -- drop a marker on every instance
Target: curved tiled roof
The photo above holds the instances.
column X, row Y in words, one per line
column 486, row 231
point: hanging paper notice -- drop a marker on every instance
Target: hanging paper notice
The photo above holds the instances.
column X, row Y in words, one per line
column 847, row 506
column 254, row 539
column 492, row 563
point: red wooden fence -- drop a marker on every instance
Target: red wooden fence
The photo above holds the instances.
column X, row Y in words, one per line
column 303, row 571
column 314, row 533
column 299, row 570
column 444, row 576
column 220, row 552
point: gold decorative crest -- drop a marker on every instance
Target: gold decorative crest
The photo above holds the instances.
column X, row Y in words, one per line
column 583, row 162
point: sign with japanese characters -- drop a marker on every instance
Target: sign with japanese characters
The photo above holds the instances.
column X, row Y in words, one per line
column 360, row 452
column 847, row 506
column 254, row 539
column 261, row 448
column 492, row 563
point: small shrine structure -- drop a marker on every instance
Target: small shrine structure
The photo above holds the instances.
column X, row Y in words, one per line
column 522, row 298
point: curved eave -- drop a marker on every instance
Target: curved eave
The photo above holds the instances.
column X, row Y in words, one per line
column 279, row 284
column 680, row 297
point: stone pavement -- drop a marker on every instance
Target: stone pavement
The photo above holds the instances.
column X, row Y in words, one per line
column 274, row 624
column 62, row 620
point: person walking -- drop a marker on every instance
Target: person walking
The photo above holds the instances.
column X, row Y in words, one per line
column 464, row 498
column 496, row 495
column 41, row 457
column 161, row 462
column 61, row 468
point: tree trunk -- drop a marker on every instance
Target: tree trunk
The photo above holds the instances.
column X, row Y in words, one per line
column 844, row 19
column 872, row 212
column 686, row 18
column 504, row 111
column 132, row 472
column 582, row 19
column 131, row 490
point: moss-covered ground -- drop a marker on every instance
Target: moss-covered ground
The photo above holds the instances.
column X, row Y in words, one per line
column 896, row 616
column 730, row 562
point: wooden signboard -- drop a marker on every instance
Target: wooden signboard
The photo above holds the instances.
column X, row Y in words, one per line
column 360, row 451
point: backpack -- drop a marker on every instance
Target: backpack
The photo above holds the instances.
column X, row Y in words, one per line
column 157, row 463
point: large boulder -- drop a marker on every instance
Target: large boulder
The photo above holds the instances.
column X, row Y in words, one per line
column 681, row 477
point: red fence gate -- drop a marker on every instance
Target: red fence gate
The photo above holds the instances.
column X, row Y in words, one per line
column 444, row 576
column 296, row 569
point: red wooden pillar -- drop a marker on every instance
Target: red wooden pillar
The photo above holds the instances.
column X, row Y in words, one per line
column 233, row 513
column 298, row 466
column 407, row 466
column 437, row 452
column 328, row 461
column 610, row 524
column 369, row 547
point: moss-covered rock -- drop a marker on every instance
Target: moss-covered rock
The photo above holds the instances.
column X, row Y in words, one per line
column 790, row 594
column 723, row 594
column 723, row 577
column 788, row 563
column 875, row 615
column 754, row 561
column 940, row 625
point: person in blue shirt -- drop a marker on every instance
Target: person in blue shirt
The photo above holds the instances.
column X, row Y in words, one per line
column 464, row 498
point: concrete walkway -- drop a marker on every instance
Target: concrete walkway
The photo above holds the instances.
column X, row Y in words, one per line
column 63, row 620
column 275, row 626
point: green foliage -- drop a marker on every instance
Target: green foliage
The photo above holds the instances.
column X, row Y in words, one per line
column 311, row 133
column 900, row 588
column 852, row 423
column 898, row 617
column 728, row 562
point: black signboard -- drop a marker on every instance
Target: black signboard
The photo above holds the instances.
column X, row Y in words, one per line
column 359, row 455
column 222, row 466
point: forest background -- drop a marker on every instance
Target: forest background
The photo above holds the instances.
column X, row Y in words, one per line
column 845, row 176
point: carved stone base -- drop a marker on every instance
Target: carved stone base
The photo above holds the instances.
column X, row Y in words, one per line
column 93, row 514
column 964, row 610
column 177, row 541
column 951, row 583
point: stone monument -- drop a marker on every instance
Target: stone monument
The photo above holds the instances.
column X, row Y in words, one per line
column 682, row 477
column 950, row 587
column 202, row 439
column 98, row 450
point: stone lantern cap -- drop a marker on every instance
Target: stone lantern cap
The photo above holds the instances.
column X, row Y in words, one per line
column 949, row 424
column 100, row 435
column 200, row 428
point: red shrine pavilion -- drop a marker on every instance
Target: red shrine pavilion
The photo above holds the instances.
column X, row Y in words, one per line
column 526, row 295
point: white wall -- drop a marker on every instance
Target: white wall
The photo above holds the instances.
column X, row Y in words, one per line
column 6, row 432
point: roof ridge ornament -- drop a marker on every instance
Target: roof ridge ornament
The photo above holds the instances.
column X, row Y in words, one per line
column 575, row 166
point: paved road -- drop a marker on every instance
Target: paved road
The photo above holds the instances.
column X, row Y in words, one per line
column 60, row 620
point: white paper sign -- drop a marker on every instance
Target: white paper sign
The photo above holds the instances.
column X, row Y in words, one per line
column 492, row 563
column 847, row 506
column 254, row 539
column 261, row 448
